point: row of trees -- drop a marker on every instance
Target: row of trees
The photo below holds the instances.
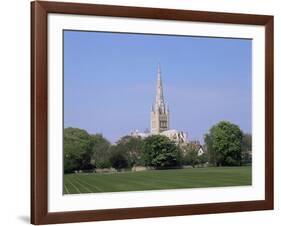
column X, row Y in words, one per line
column 225, row 144
column 86, row 152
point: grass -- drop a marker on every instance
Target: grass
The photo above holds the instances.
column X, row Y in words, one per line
column 157, row 179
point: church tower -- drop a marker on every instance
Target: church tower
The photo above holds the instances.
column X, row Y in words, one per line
column 159, row 112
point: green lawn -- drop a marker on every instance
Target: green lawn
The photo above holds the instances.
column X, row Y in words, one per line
column 157, row 179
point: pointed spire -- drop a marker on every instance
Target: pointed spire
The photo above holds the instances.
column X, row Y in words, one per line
column 158, row 69
column 159, row 90
column 160, row 114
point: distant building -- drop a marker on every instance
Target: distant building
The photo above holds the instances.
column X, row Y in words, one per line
column 160, row 117
column 136, row 133
column 200, row 151
column 175, row 135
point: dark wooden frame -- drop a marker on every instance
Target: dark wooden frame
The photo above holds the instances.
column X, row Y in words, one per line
column 39, row 112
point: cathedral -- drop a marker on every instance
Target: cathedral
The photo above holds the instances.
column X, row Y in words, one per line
column 159, row 121
column 160, row 117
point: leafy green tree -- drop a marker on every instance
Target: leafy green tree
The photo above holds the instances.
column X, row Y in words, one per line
column 211, row 153
column 191, row 154
column 133, row 147
column 118, row 158
column 77, row 150
column 246, row 152
column 191, row 158
column 224, row 143
column 160, row 152
column 203, row 158
column 100, row 151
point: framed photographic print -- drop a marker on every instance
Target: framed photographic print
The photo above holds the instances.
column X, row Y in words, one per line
column 149, row 112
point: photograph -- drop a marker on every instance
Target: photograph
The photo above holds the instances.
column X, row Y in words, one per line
column 153, row 112
column 149, row 111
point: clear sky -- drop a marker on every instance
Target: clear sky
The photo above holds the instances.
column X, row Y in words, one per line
column 110, row 81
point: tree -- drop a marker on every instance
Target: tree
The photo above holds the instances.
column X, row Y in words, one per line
column 224, row 143
column 246, row 152
column 202, row 159
column 190, row 155
column 118, row 158
column 211, row 153
column 191, row 158
column 160, row 152
column 100, row 151
column 77, row 150
column 133, row 147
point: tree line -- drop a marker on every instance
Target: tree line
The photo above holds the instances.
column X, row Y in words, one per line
column 225, row 145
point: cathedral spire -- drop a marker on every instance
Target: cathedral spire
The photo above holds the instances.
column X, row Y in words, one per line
column 159, row 89
column 159, row 111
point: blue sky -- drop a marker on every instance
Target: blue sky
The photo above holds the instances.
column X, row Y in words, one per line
column 110, row 81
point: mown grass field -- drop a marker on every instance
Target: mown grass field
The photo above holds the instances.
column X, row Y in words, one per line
column 157, row 179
